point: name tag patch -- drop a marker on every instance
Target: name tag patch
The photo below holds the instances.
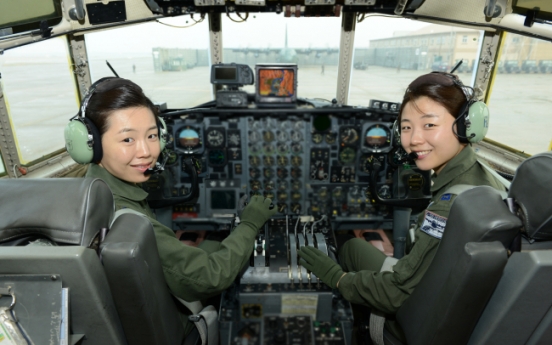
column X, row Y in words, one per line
column 434, row 225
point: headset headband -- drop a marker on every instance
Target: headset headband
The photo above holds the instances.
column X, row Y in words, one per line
column 104, row 85
column 441, row 78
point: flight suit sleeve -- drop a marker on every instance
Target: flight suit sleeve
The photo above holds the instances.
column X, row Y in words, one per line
column 195, row 274
column 387, row 291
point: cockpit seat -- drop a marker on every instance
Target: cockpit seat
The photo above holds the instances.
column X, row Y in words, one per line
column 116, row 297
column 520, row 309
column 445, row 306
column 69, row 214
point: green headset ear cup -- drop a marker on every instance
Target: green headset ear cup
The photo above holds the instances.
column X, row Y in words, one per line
column 82, row 141
column 163, row 134
column 478, row 122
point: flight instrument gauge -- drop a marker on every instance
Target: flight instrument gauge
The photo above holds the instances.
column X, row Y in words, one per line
column 234, row 139
column 172, row 157
column 189, row 138
column 378, row 136
column 215, row 137
column 348, row 136
column 347, row 155
column 317, row 138
column 330, row 138
column 217, row 158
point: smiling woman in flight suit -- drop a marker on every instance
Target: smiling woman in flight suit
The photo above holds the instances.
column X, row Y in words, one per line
column 127, row 140
column 433, row 128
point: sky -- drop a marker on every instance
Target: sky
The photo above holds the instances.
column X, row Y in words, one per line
column 261, row 30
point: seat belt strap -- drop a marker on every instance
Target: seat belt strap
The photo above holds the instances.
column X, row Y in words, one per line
column 377, row 318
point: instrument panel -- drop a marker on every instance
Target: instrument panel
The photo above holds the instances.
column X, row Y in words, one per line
column 308, row 163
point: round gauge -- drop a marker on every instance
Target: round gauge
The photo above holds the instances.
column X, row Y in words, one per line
column 254, row 148
column 296, row 161
column 254, row 161
column 282, row 196
column 378, row 136
column 269, row 185
column 268, row 136
column 254, row 137
column 282, row 185
column 282, row 161
column 254, row 173
column 268, row 161
column 255, row 124
column 296, row 172
column 268, row 148
column 295, row 196
column 317, row 138
column 285, row 124
column 234, row 139
column 330, row 138
column 172, row 157
column 282, row 208
column 188, row 138
column 348, row 136
column 255, row 184
column 282, row 136
column 296, row 136
column 347, row 155
column 337, row 192
column 217, row 157
column 283, row 148
column 268, row 173
column 365, row 163
column 296, row 208
column 299, row 125
column 282, row 173
column 384, row 192
column 215, row 138
column 269, row 195
column 296, row 149
column 323, row 193
column 296, row 185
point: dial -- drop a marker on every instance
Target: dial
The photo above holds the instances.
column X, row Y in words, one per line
column 317, row 138
column 254, row 136
column 268, row 136
column 254, row 173
column 348, row 136
column 255, row 124
column 378, row 136
column 285, row 124
column 296, row 161
column 282, row 185
column 283, row 148
column 282, row 173
column 296, row 136
column 254, row 148
column 234, row 139
column 282, row 208
column 254, row 161
column 268, row 173
column 347, row 155
column 255, row 185
column 217, row 158
column 296, row 185
column 269, row 185
column 296, row 172
column 295, row 207
column 268, row 160
column 384, row 192
column 188, row 138
column 269, row 195
column 215, row 138
column 295, row 196
column 282, row 161
column 296, row 149
column 299, row 124
column 331, row 138
column 172, row 157
column 282, row 136
column 268, row 148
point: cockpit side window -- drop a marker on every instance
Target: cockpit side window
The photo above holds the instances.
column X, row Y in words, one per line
column 40, row 94
column 520, row 101
column 2, row 168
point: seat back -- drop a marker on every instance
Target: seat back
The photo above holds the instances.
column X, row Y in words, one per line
column 520, row 309
column 445, row 306
column 69, row 213
column 145, row 305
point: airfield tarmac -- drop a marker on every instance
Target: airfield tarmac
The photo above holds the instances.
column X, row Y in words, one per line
column 42, row 98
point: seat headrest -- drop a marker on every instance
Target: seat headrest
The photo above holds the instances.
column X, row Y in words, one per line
column 531, row 189
column 64, row 210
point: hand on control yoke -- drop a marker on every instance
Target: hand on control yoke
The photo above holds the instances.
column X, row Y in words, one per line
column 257, row 212
column 321, row 265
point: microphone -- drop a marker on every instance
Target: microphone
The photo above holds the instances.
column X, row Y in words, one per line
column 158, row 166
column 413, row 155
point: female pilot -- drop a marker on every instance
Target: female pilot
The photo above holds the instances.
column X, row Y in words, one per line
column 126, row 121
column 429, row 127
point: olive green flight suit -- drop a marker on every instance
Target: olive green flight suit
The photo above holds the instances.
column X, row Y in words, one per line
column 386, row 291
column 191, row 273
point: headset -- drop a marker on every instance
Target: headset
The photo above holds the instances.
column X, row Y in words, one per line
column 472, row 121
column 82, row 138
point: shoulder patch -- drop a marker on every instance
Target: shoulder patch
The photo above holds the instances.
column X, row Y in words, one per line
column 446, row 197
column 434, row 225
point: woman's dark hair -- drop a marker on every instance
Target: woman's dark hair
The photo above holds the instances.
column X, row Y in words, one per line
column 442, row 88
column 110, row 94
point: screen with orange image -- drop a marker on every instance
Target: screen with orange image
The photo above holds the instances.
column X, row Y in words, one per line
column 276, row 84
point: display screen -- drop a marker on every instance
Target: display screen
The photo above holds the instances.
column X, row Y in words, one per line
column 223, row 199
column 276, row 82
column 225, row 73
